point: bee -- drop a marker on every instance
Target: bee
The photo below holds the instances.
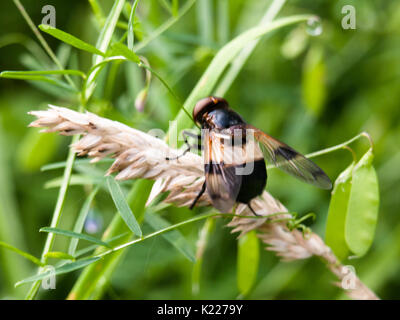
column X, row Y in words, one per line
column 234, row 157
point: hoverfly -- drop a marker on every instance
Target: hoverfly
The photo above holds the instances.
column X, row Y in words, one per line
column 230, row 145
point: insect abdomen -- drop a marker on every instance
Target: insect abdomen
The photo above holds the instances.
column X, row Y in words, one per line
column 254, row 183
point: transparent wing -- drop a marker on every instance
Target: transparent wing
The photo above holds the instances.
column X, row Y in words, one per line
column 291, row 161
column 222, row 183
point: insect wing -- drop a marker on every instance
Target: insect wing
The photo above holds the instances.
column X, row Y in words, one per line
column 291, row 161
column 222, row 182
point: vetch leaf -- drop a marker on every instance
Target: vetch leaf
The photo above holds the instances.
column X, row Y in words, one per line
column 68, row 267
column 80, row 221
column 76, row 179
column 27, row 74
column 174, row 237
column 21, row 253
column 123, row 207
column 363, row 206
column 121, row 49
column 75, row 235
column 70, row 39
column 59, row 255
column 131, row 33
column 248, row 259
column 335, row 227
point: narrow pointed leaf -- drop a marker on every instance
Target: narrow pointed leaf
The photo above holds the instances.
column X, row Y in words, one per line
column 123, row 207
column 131, row 33
column 80, row 221
column 21, row 253
column 70, row 39
column 59, row 255
column 75, row 235
column 123, row 50
column 68, row 267
column 21, row 74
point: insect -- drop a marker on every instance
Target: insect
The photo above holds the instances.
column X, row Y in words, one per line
column 234, row 154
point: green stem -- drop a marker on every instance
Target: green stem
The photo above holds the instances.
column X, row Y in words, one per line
column 42, row 40
column 340, row 146
column 165, row 26
column 56, row 217
column 335, row 148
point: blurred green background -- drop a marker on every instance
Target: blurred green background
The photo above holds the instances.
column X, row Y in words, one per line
column 310, row 91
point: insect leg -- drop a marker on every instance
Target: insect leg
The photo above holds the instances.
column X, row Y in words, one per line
column 252, row 210
column 203, row 188
column 189, row 147
column 186, row 134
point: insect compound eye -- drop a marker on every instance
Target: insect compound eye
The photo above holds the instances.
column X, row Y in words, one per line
column 206, row 105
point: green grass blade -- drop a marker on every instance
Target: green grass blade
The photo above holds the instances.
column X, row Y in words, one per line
column 76, row 180
column 21, row 253
column 108, row 29
column 80, row 221
column 165, row 26
column 173, row 237
column 35, row 77
column 245, row 53
column 10, row 74
column 102, row 44
column 62, row 164
column 68, row 267
column 131, row 33
column 72, row 234
column 70, row 39
column 123, row 207
column 223, row 58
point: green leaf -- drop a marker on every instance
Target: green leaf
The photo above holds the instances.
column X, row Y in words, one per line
column 335, row 227
column 131, row 33
column 21, row 253
column 108, row 28
column 363, row 206
column 80, row 221
column 174, row 237
column 70, row 39
column 62, row 164
column 59, row 255
column 121, row 49
column 123, row 207
column 75, row 235
column 248, row 259
column 313, row 82
column 27, row 74
column 76, row 179
column 35, row 77
column 102, row 44
column 68, row 267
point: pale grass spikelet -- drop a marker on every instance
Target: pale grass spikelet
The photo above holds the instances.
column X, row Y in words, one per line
column 140, row 155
